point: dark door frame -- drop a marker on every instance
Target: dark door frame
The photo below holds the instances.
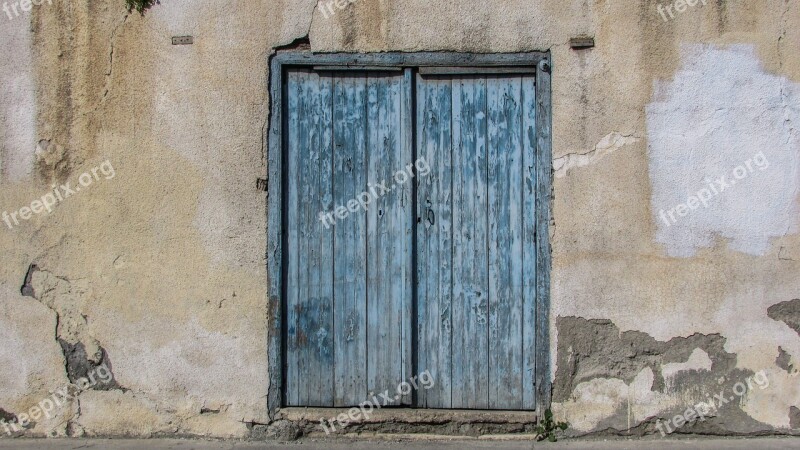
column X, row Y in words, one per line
column 440, row 62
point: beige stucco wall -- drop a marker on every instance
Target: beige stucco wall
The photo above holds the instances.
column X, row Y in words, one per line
column 159, row 270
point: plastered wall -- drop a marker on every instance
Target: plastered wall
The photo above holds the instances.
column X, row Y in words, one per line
column 159, row 271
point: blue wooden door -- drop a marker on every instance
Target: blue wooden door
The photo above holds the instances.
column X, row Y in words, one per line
column 465, row 232
column 348, row 284
column 476, row 241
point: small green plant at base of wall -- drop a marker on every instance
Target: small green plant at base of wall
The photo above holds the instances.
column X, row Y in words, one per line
column 547, row 428
column 140, row 5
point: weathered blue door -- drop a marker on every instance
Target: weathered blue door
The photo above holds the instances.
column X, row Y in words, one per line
column 476, row 242
column 348, row 280
column 465, row 233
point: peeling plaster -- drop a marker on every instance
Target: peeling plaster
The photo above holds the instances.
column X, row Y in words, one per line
column 31, row 360
column 612, row 380
column 607, row 145
column 66, row 298
column 589, row 349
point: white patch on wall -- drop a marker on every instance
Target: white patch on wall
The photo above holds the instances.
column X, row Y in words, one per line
column 594, row 401
column 723, row 115
column 17, row 99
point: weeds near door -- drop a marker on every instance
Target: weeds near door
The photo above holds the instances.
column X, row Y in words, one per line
column 140, row 5
column 547, row 428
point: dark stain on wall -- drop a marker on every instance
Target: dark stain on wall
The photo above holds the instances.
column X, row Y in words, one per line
column 794, row 417
column 80, row 365
column 787, row 312
column 784, row 360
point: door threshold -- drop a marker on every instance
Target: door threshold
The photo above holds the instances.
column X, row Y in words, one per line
column 313, row 421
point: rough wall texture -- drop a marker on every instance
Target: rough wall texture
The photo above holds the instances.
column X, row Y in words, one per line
column 159, row 270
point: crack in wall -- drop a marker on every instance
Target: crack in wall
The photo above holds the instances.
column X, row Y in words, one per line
column 81, row 363
column 781, row 256
column 301, row 43
column 607, row 145
column 110, row 70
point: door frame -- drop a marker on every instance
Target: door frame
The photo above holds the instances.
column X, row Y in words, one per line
column 538, row 62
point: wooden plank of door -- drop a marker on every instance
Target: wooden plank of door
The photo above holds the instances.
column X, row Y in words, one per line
column 350, row 271
column 388, row 219
column 470, row 248
column 309, row 288
column 320, row 238
column 407, row 144
column 504, row 96
column 529, row 136
column 294, row 344
column 434, row 241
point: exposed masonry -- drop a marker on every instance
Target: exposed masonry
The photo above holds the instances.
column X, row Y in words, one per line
column 592, row 349
column 80, row 365
column 788, row 313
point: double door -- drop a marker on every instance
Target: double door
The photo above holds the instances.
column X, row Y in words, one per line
column 410, row 238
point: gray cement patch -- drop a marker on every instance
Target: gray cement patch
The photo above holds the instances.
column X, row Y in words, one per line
column 596, row 349
column 589, row 349
column 787, row 312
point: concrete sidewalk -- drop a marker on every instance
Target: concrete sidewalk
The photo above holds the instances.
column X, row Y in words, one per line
column 413, row 444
